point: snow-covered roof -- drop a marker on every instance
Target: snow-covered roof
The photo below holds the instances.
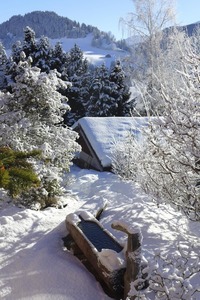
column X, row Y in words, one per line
column 104, row 132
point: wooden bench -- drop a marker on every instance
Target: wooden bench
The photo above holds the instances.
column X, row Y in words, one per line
column 113, row 264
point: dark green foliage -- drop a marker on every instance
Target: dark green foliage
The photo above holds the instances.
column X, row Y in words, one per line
column 45, row 195
column 19, row 179
column 16, row 173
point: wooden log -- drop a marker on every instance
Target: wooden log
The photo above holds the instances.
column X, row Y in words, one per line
column 133, row 256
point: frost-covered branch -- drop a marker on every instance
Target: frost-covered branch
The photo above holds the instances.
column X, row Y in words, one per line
column 173, row 275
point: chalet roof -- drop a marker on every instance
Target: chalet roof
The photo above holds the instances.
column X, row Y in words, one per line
column 103, row 133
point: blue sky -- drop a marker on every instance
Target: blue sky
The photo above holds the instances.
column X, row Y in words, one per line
column 104, row 14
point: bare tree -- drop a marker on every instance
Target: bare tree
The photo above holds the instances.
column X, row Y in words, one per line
column 152, row 22
column 168, row 167
column 150, row 17
column 167, row 164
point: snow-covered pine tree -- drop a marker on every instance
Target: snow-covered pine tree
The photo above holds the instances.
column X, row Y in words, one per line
column 58, row 60
column 42, row 55
column 29, row 43
column 28, row 47
column 11, row 66
column 16, row 50
column 40, row 51
column 3, row 55
column 31, row 118
column 122, row 92
column 75, row 61
column 77, row 69
column 102, row 102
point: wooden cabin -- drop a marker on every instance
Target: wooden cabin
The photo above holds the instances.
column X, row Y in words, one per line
column 99, row 135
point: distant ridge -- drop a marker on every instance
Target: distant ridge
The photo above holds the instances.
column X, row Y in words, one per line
column 44, row 23
column 190, row 28
column 53, row 26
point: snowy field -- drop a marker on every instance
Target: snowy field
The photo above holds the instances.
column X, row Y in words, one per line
column 95, row 56
column 33, row 261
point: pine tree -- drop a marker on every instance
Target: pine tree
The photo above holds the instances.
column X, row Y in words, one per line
column 29, row 43
column 16, row 173
column 42, row 55
column 122, row 91
column 102, row 102
column 78, row 74
column 16, row 50
column 31, row 118
column 75, row 62
column 58, row 60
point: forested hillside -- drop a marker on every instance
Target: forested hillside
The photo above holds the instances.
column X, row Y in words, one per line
column 49, row 24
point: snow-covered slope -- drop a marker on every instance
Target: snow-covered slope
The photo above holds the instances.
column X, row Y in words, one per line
column 95, row 55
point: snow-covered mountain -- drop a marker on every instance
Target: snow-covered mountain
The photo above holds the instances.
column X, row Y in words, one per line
column 51, row 25
column 44, row 24
column 98, row 46
column 191, row 28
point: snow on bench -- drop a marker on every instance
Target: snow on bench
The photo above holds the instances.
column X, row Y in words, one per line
column 116, row 267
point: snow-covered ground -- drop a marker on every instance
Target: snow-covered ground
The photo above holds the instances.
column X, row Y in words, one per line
column 33, row 261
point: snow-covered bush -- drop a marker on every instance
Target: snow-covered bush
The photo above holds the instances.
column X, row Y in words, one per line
column 47, row 194
column 170, row 168
column 31, row 118
column 124, row 157
column 173, row 275
column 168, row 164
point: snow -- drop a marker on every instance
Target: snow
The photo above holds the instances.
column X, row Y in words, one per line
column 96, row 56
column 111, row 259
column 104, row 133
column 126, row 227
column 33, row 261
column 34, row 264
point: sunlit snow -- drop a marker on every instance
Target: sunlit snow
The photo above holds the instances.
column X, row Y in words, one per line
column 33, row 261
